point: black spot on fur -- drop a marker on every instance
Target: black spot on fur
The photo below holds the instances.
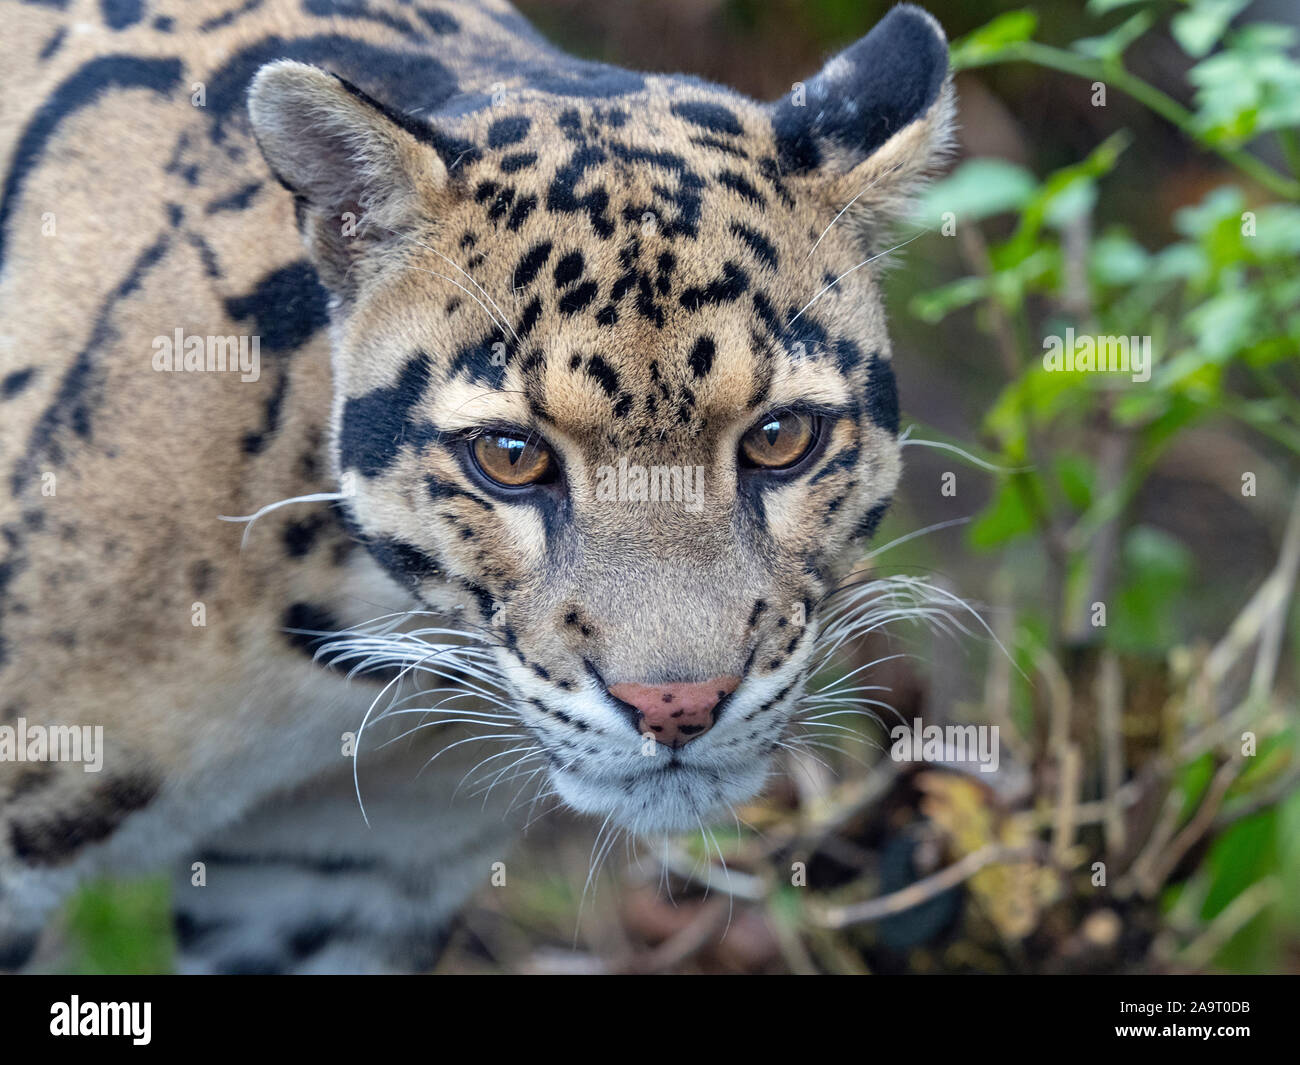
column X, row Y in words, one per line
column 57, row 835
column 882, row 393
column 574, row 300
column 522, row 209
column 762, row 248
column 562, row 197
column 516, row 161
column 228, row 17
column 190, row 931
column 439, row 490
column 728, row 288
column 77, row 396
column 507, row 131
column 236, row 201
column 405, row 562
column 846, row 460
column 568, row 269
column 406, row 81
column 440, row 22
column 713, row 117
column 373, row 425
column 529, row 318
column 358, row 9
column 871, row 520
column 306, row 625
column 92, row 79
column 735, row 181
column 54, row 43
column 310, row 939
column 289, row 306
column 119, row 14
column 15, row 382
column 300, row 536
column 201, row 577
column 604, row 373
column 719, row 145
column 17, row 949
column 533, row 260
column 701, row 357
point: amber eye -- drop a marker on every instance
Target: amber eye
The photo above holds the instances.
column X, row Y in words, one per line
column 513, row 461
column 778, row 441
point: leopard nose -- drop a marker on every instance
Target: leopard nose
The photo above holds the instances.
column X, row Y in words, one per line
column 675, row 714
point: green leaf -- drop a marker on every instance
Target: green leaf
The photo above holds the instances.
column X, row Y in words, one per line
column 1005, row 518
column 1117, row 259
column 937, row 304
column 1076, row 475
column 1226, row 323
column 1200, row 28
column 1104, row 7
column 1072, row 200
column 983, row 44
column 978, row 189
column 1227, row 201
column 1288, row 840
column 1057, row 198
column 1113, row 45
column 1277, row 232
column 1147, row 616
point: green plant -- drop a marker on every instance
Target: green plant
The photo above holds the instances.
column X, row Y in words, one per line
column 1220, row 305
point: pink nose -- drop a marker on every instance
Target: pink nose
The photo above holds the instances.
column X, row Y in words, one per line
column 675, row 714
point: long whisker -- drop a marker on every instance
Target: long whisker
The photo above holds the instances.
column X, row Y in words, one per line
column 852, row 269
column 248, row 519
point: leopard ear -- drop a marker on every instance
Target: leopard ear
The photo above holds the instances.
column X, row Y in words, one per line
column 361, row 174
column 876, row 118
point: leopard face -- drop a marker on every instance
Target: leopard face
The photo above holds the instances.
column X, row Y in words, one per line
column 612, row 378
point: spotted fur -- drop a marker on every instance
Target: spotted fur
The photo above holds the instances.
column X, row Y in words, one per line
column 436, row 224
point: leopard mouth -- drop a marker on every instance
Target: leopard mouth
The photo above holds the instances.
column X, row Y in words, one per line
column 676, row 796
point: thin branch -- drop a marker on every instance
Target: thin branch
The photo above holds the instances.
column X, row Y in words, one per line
column 923, row 890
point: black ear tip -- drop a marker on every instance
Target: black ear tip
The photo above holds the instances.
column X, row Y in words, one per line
column 914, row 16
column 911, row 36
column 871, row 90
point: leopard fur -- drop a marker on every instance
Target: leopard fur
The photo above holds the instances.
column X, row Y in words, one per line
column 434, row 223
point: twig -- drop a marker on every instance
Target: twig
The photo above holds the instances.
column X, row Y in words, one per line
column 1161, row 865
column 1282, row 580
column 1256, row 617
column 1163, row 105
column 701, row 930
column 1110, row 696
column 923, row 890
column 1229, row 921
column 1282, row 788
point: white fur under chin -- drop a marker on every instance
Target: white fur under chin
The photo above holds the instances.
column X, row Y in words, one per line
column 669, row 799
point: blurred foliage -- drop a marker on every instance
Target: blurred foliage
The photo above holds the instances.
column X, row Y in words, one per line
column 1221, row 303
column 120, row 927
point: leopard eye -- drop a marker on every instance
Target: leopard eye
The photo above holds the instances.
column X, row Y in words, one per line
column 778, row 441
column 513, row 461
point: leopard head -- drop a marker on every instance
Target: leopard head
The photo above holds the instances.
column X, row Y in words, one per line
column 612, row 378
